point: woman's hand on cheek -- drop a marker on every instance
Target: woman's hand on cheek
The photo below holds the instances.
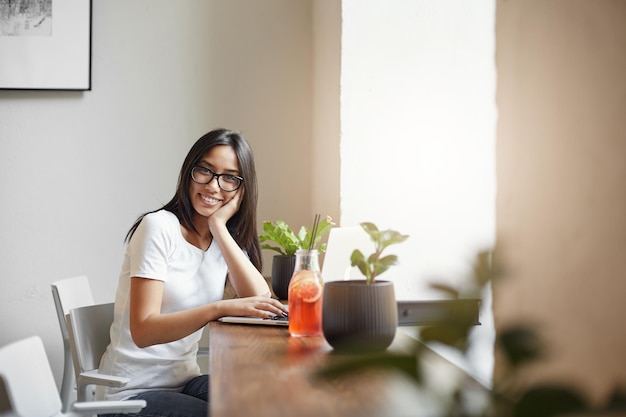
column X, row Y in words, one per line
column 228, row 209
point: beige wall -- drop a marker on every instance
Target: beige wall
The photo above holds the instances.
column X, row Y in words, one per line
column 260, row 78
column 561, row 163
column 326, row 129
column 274, row 71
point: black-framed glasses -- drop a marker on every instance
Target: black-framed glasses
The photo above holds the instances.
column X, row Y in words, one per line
column 226, row 182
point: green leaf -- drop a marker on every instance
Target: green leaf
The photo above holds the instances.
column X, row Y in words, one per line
column 375, row 264
column 369, row 228
column 274, row 248
column 302, row 236
column 357, row 259
column 405, row 363
column 617, row 402
column 388, row 260
column 393, row 237
column 548, row 401
column 520, row 345
column 447, row 289
column 279, row 237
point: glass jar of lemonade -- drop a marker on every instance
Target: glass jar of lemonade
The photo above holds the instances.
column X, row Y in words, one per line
column 305, row 295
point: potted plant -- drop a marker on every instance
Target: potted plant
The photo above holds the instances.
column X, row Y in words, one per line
column 362, row 315
column 277, row 236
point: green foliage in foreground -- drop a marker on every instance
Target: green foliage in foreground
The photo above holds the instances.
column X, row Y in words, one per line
column 519, row 345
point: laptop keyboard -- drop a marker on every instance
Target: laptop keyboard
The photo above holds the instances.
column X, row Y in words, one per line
column 279, row 318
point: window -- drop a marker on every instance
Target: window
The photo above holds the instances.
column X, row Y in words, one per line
column 418, row 103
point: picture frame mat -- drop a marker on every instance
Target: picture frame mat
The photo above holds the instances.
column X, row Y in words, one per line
column 61, row 61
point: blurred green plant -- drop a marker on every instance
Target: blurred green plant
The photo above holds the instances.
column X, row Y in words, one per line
column 519, row 346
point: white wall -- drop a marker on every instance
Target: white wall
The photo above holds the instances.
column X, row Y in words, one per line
column 76, row 168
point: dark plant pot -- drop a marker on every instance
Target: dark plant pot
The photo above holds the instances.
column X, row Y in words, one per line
column 358, row 317
column 282, row 270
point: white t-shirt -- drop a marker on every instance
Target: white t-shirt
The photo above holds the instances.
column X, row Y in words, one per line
column 192, row 277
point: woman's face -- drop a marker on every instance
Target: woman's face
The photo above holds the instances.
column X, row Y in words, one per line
column 208, row 198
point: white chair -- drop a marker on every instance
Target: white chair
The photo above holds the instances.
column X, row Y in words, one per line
column 89, row 336
column 67, row 294
column 29, row 389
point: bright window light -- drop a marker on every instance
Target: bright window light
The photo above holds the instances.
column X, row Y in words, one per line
column 418, row 123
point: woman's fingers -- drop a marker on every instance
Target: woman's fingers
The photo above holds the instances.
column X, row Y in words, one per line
column 259, row 306
column 269, row 307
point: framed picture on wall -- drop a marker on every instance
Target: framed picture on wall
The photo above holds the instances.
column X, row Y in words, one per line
column 45, row 44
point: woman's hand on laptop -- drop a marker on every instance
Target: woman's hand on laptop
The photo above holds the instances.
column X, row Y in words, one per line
column 257, row 306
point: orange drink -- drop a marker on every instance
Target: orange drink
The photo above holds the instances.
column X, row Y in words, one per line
column 305, row 296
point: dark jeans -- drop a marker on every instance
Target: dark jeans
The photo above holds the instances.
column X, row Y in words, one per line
column 192, row 401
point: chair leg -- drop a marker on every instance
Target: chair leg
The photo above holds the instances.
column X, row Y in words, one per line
column 68, row 385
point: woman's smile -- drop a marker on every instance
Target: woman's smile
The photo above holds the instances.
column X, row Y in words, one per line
column 211, row 201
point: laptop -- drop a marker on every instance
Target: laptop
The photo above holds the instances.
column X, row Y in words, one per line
column 274, row 321
column 342, row 241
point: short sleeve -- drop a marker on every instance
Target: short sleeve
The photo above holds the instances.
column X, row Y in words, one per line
column 149, row 247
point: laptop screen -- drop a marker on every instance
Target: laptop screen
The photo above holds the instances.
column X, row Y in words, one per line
column 341, row 242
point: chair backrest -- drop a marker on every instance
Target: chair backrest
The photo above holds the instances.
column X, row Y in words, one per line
column 89, row 334
column 70, row 293
column 28, row 379
column 67, row 294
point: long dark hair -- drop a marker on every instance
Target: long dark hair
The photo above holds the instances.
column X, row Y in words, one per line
column 242, row 226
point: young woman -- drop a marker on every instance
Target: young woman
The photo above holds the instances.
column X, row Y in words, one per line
column 173, row 276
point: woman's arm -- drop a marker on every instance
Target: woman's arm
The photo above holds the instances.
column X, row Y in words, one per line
column 148, row 326
column 245, row 279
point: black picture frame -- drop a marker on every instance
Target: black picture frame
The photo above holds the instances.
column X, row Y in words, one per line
column 45, row 45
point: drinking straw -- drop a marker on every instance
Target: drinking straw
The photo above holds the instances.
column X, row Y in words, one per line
column 316, row 223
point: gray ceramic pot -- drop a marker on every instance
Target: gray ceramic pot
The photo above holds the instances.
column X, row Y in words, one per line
column 282, row 270
column 359, row 317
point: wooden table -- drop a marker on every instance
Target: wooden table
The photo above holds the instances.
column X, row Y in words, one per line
column 260, row 371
